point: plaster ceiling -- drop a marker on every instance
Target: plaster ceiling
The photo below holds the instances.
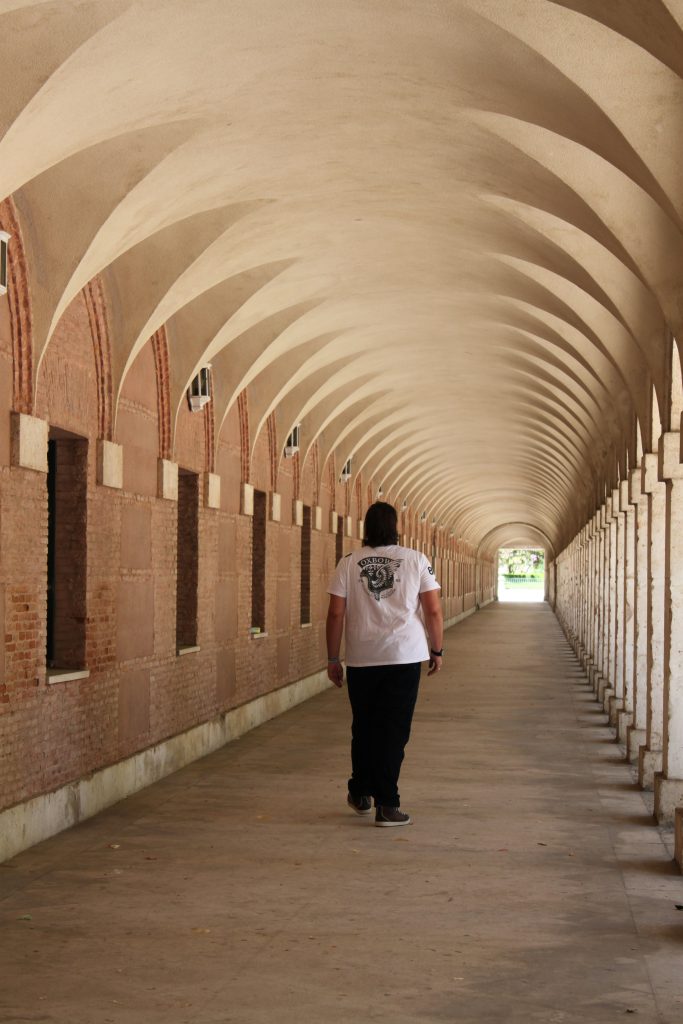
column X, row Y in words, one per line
column 444, row 235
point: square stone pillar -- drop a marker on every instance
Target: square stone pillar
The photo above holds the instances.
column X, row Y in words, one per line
column 669, row 786
column 637, row 731
column 625, row 713
column 650, row 757
column 615, row 701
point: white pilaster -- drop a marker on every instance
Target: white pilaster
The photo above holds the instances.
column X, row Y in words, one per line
column 669, row 787
column 637, row 734
column 651, row 753
column 29, row 436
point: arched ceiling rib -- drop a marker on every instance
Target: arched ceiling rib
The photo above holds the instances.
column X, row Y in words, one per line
column 446, row 238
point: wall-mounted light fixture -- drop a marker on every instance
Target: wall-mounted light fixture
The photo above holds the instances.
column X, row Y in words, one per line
column 4, row 239
column 346, row 472
column 380, row 491
column 199, row 391
column 423, row 517
column 292, row 442
column 404, row 506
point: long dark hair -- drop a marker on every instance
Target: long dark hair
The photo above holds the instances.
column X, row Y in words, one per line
column 381, row 525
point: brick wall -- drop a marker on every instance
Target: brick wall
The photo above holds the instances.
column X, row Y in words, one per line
column 139, row 691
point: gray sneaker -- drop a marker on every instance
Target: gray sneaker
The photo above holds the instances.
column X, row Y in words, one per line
column 385, row 817
column 363, row 805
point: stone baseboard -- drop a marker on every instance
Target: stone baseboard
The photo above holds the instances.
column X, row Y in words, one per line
column 43, row 816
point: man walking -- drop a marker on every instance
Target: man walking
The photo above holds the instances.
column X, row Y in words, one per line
column 386, row 596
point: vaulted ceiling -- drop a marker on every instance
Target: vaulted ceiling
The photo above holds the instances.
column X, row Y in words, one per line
column 444, row 235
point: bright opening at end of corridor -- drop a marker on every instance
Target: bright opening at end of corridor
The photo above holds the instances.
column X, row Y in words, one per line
column 521, row 574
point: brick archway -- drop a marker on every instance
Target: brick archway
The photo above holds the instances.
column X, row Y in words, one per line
column 99, row 328
column 19, row 297
column 160, row 349
column 245, row 457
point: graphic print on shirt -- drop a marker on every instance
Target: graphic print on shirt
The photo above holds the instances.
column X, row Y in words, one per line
column 380, row 574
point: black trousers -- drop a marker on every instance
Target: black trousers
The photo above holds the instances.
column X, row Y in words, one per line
column 382, row 700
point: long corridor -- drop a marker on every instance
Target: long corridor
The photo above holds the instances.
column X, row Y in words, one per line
column 532, row 886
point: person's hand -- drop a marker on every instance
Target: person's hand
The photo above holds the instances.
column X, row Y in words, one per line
column 435, row 662
column 335, row 672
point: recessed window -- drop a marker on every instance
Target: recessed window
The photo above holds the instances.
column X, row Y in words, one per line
column 4, row 239
column 187, row 560
column 306, row 533
column 339, row 540
column 258, row 563
column 67, row 550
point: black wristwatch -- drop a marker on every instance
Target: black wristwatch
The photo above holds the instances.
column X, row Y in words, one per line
column 437, row 654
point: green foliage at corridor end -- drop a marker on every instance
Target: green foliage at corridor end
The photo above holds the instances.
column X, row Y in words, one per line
column 522, row 562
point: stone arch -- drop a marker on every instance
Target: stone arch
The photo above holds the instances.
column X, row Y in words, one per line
column 315, row 467
column 273, row 453
column 19, row 299
column 359, row 495
column 513, row 531
column 657, row 427
column 296, row 476
column 99, row 329
column 332, row 476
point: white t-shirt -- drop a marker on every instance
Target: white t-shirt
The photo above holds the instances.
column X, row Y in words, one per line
column 384, row 624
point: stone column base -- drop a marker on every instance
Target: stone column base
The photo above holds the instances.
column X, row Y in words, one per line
column 678, row 855
column 594, row 677
column 668, row 798
column 613, row 705
column 649, row 763
column 605, row 691
column 635, row 739
column 624, row 722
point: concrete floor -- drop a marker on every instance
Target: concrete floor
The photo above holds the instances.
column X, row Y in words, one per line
column 533, row 885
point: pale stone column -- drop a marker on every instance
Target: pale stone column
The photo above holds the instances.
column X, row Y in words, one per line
column 637, row 732
column 669, row 786
column 606, row 594
column 593, row 624
column 650, row 760
column 592, row 668
column 625, row 714
column 598, row 667
column 606, row 685
column 584, row 589
column 590, row 595
column 614, row 695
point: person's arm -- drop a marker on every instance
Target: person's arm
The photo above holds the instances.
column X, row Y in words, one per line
column 433, row 616
column 333, row 630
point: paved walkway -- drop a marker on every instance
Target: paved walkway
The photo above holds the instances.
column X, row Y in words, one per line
column 532, row 886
